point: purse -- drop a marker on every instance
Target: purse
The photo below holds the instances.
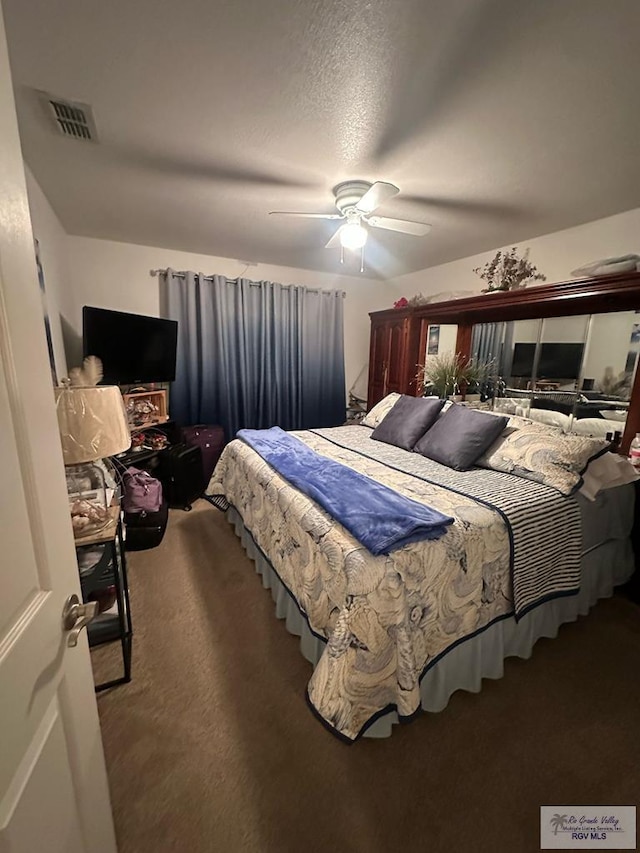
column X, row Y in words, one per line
column 142, row 492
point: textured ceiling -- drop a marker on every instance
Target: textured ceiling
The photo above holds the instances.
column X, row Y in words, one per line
column 498, row 119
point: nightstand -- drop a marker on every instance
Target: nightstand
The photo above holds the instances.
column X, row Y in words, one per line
column 103, row 573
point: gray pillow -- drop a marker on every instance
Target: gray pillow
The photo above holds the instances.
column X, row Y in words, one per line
column 460, row 436
column 407, row 421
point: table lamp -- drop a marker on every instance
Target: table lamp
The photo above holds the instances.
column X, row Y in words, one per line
column 93, row 425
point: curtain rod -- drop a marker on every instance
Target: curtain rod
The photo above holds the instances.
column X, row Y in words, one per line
column 155, row 273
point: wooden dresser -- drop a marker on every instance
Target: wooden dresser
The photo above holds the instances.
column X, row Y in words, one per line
column 393, row 354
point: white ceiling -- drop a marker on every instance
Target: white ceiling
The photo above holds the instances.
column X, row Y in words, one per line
column 498, row 119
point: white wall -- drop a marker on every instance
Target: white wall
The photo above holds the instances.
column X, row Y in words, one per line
column 116, row 275
column 555, row 255
column 51, row 237
column 85, row 271
column 609, row 343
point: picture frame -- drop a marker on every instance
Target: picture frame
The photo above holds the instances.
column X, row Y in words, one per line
column 433, row 340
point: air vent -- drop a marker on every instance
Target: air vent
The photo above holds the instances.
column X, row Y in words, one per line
column 71, row 118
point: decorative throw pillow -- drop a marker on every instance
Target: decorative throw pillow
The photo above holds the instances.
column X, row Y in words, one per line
column 380, row 410
column 407, row 421
column 460, row 436
column 553, row 458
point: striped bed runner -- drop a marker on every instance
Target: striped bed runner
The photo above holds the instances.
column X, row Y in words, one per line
column 544, row 526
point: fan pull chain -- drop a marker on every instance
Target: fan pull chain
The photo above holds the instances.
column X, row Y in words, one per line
column 362, row 259
column 341, row 253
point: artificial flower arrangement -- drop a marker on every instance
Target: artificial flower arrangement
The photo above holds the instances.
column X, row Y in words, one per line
column 415, row 301
column 508, row 271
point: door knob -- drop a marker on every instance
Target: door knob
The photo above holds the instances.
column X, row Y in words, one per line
column 76, row 616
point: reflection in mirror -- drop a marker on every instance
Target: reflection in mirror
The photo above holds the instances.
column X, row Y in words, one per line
column 508, row 349
column 557, row 370
column 608, row 372
column 575, row 373
column 439, row 373
column 441, row 339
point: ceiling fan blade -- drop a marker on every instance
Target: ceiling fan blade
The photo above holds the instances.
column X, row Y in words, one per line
column 472, row 207
column 334, row 242
column 375, row 196
column 430, row 85
column 305, row 215
column 404, row 226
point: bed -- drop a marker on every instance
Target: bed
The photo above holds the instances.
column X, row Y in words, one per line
column 392, row 635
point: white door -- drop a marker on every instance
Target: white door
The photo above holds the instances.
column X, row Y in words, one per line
column 53, row 785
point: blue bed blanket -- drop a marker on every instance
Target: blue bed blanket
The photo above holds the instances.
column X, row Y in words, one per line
column 378, row 517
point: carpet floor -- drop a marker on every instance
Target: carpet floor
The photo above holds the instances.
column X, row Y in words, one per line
column 211, row 747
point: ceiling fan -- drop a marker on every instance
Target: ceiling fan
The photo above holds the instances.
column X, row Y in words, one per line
column 356, row 201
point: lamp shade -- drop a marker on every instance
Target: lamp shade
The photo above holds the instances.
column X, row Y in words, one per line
column 92, row 422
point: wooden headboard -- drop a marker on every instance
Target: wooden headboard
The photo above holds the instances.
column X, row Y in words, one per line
column 562, row 299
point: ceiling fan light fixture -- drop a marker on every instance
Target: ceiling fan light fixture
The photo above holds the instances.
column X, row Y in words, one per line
column 353, row 235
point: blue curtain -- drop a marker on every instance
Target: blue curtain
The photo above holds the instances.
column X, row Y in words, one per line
column 486, row 342
column 256, row 354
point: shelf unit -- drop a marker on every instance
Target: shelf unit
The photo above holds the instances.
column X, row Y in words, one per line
column 109, row 570
column 154, row 401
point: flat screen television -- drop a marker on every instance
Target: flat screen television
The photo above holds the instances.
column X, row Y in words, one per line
column 523, row 356
column 557, row 361
column 132, row 348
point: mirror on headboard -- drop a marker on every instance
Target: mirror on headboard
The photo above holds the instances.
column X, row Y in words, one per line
column 438, row 347
column 573, row 372
column 600, row 298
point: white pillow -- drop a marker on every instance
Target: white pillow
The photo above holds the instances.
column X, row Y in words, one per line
column 595, row 427
column 605, row 472
column 506, row 405
column 380, row 410
column 545, row 416
column 618, row 415
column 517, row 421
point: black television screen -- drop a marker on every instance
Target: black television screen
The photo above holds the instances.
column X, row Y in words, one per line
column 560, row 361
column 557, row 361
column 523, row 355
column 132, row 348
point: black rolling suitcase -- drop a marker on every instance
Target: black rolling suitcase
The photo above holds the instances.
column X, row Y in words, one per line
column 180, row 472
column 210, row 440
column 145, row 529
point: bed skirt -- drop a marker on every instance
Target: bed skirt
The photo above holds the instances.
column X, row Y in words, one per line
column 482, row 655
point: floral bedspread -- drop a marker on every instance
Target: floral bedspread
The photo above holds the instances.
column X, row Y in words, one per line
column 386, row 618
